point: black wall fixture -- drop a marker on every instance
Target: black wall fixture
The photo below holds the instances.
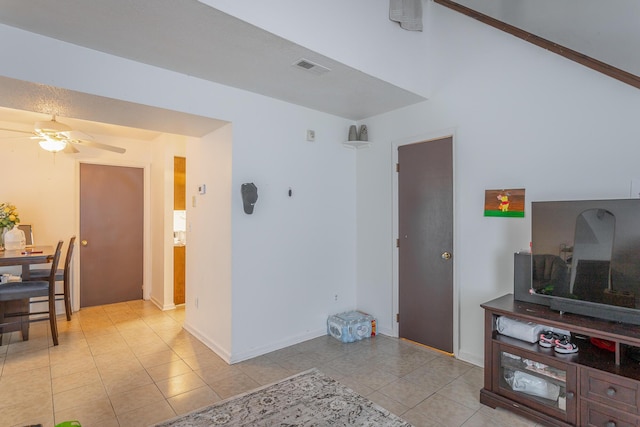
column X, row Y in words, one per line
column 249, row 196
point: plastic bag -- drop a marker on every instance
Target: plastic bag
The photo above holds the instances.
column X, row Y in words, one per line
column 529, row 384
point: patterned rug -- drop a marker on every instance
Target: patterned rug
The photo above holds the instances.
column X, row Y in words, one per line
column 307, row 399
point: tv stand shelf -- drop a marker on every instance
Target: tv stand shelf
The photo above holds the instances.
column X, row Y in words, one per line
column 591, row 383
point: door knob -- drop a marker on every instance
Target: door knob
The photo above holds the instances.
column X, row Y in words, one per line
column 84, row 243
column 446, row 255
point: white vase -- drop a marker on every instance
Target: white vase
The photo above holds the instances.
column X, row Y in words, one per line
column 14, row 239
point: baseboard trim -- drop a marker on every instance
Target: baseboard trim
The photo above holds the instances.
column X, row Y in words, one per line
column 163, row 307
column 259, row 351
column 217, row 349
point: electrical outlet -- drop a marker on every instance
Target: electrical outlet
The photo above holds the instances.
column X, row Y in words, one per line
column 336, row 297
column 311, row 135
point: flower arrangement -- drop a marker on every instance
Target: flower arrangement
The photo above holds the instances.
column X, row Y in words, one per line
column 8, row 215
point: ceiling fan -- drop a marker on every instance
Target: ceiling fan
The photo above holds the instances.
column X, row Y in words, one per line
column 55, row 136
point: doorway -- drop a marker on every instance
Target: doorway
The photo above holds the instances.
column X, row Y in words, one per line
column 111, row 234
column 425, row 253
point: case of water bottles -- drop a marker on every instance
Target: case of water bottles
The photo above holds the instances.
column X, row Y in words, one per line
column 351, row 326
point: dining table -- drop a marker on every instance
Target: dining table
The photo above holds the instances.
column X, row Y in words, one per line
column 24, row 258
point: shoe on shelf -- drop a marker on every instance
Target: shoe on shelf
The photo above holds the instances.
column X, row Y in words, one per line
column 564, row 346
column 548, row 339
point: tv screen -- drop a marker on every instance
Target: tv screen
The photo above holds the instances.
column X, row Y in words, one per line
column 585, row 255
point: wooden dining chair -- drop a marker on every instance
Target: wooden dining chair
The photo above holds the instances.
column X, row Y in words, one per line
column 16, row 291
column 62, row 275
column 28, row 233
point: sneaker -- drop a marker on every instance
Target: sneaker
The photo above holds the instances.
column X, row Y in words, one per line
column 548, row 339
column 564, row 346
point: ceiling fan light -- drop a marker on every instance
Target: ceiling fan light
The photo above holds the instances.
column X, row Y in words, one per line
column 52, row 145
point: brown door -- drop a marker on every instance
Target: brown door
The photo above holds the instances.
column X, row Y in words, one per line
column 179, row 274
column 179, row 252
column 425, row 211
column 111, row 234
column 179, row 183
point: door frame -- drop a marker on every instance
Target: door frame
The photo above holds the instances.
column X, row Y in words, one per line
column 146, row 244
column 416, row 139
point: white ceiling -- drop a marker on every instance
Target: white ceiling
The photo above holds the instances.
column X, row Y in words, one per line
column 195, row 39
column 192, row 38
column 608, row 31
column 92, row 114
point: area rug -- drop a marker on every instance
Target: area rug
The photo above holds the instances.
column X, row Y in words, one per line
column 307, row 399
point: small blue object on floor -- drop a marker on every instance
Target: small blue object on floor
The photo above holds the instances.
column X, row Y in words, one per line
column 351, row 326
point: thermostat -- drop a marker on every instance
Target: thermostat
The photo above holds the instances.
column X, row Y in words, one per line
column 202, row 189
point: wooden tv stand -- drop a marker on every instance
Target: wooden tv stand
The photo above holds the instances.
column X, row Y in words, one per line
column 597, row 387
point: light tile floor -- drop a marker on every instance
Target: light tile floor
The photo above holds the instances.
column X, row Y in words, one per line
column 131, row 364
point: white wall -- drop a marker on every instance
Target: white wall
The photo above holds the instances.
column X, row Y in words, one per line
column 208, row 298
column 42, row 187
column 163, row 150
column 522, row 118
column 293, row 255
column 158, row 225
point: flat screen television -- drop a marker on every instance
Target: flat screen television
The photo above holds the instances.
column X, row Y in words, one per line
column 585, row 257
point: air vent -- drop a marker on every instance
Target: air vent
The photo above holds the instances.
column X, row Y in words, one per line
column 310, row 66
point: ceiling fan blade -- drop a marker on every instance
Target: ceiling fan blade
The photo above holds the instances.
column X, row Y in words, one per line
column 98, row 145
column 56, row 131
column 70, row 149
column 16, row 130
column 17, row 137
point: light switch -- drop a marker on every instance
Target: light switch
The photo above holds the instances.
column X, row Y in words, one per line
column 311, row 135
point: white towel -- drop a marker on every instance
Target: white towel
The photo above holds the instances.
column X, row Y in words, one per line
column 407, row 12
